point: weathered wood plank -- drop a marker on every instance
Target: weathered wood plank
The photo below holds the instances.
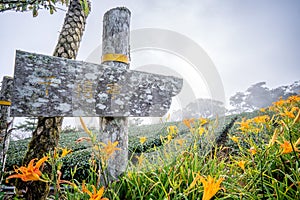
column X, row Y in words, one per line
column 51, row 86
column 5, row 99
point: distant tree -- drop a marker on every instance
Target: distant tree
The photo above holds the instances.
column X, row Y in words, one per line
column 256, row 96
column 28, row 125
column 259, row 96
column 36, row 5
column 30, row 5
column 199, row 108
column 238, row 101
column 135, row 121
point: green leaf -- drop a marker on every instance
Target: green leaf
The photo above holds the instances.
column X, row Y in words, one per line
column 34, row 12
column 24, row 7
column 11, row 5
column 51, row 10
column 85, row 7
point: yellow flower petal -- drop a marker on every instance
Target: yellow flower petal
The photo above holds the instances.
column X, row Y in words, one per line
column 287, row 148
column 109, row 148
column 65, row 152
column 201, row 130
column 143, row 140
column 252, row 150
column 31, row 172
column 241, row 164
column 234, row 138
column 211, row 187
column 95, row 195
column 202, row 121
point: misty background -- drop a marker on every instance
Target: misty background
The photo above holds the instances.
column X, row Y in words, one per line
column 253, row 44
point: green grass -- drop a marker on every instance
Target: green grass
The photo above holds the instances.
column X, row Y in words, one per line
column 257, row 157
column 79, row 157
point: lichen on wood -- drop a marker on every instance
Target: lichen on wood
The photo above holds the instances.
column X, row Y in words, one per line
column 5, row 96
column 115, row 39
column 51, row 86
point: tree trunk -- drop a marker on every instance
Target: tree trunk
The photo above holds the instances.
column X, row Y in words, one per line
column 45, row 137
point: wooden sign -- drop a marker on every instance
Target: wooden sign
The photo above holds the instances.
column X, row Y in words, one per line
column 51, row 86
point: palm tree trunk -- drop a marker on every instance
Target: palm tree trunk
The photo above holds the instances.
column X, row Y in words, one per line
column 46, row 135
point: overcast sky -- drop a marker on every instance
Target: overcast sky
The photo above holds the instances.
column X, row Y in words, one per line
column 249, row 41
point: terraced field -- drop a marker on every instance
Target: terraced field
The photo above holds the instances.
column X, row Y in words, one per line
column 155, row 134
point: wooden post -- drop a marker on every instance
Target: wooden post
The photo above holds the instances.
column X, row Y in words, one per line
column 5, row 102
column 115, row 53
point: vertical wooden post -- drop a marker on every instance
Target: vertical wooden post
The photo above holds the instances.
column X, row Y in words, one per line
column 5, row 99
column 115, row 53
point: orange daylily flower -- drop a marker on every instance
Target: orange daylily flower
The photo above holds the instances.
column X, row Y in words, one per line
column 244, row 125
column 252, row 150
column 180, row 141
column 294, row 98
column 140, row 159
column 143, row 140
column 211, row 187
column 279, row 103
column 261, row 119
column 201, row 130
column 95, row 195
column 65, row 152
column 290, row 113
column 262, row 110
column 109, row 148
column 188, row 122
column 203, row 121
column 241, row 164
column 31, row 172
column 287, row 147
column 234, row 138
column 169, row 138
column 172, row 130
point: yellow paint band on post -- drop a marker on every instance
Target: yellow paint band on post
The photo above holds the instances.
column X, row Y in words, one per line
column 5, row 103
column 115, row 57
